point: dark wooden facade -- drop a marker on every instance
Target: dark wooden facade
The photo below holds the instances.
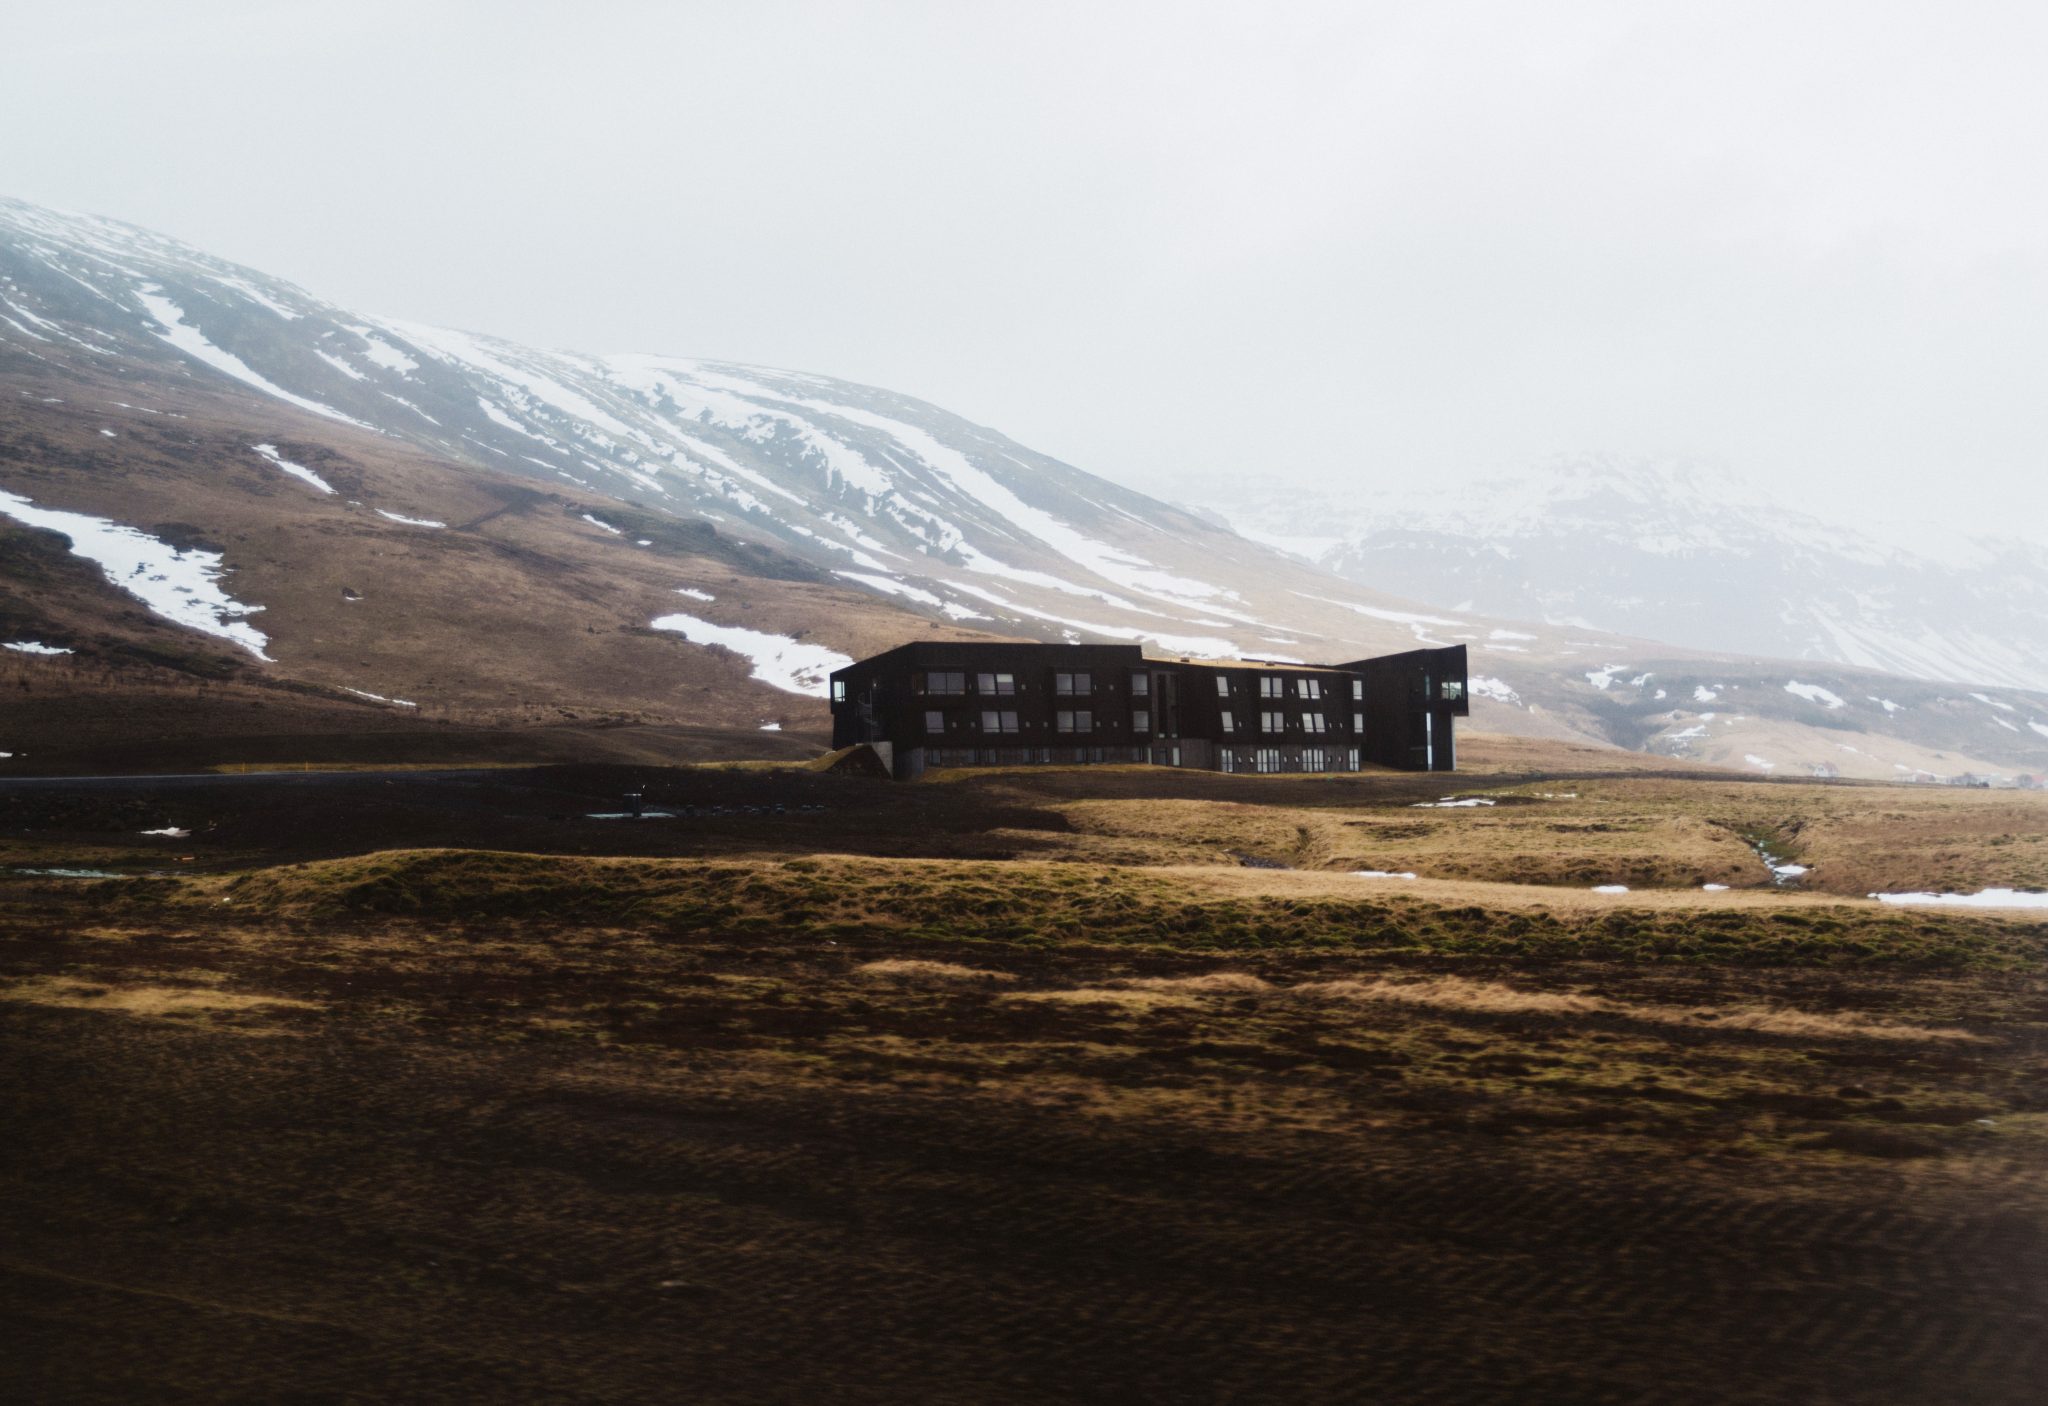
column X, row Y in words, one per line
column 974, row 704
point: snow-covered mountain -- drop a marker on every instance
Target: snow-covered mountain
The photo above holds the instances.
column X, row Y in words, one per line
column 213, row 474
column 1696, row 557
column 892, row 494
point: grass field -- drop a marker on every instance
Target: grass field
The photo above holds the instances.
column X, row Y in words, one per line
column 1024, row 1087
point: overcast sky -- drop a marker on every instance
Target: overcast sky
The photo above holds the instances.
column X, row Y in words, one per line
column 1184, row 246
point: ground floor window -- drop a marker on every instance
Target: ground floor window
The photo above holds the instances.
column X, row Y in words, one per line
column 1268, row 758
column 1312, row 759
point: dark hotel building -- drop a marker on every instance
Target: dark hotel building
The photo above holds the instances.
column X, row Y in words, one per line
column 973, row 704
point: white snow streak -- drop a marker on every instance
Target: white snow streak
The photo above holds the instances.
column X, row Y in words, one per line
column 779, row 661
column 179, row 585
column 297, row 471
column 1814, row 693
column 193, row 343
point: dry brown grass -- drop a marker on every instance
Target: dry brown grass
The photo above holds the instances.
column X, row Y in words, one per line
column 914, row 970
column 152, row 1001
column 1468, row 996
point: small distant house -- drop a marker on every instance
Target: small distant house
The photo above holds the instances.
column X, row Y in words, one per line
column 959, row 704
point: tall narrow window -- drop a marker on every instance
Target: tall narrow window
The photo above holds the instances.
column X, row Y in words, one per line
column 1141, row 720
column 1358, row 690
column 1229, row 725
column 1311, row 688
column 1358, row 723
column 1223, row 685
column 839, row 690
column 1312, row 722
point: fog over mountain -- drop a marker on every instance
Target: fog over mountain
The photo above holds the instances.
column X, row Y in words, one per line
column 1697, row 556
column 1326, row 245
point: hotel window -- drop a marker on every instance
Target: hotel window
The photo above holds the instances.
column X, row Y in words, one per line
column 1073, row 685
column 943, row 683
column 1223, row 685
column 1141, row 720
column 998, row 685
column 839, row 690
column 1352, row 757
column 1358, row 690
column 1272, row 722
column 1268, row 759
column 1141, row 684
column 1312, row 722
column 1311, row 688
column 1271, row 686
column 934, row 722
column 1229, row 723
column 1312, row 759
column 1358, row 723
column 1454, row 689
column 1080, row 720
column 993, row 721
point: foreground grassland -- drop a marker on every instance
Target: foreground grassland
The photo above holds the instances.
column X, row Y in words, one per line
column 1025, row 1088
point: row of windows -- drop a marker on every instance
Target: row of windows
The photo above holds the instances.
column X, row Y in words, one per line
column 1031, row 756
column 1274, row 759
column 1277, row 722
column 1081, row 683
column 1083, row 720
column 1275, row 686
column 1001, row 720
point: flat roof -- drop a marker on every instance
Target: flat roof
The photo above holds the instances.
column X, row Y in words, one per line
column 1242, row 664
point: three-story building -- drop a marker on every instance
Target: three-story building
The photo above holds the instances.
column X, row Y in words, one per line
column 994, row 704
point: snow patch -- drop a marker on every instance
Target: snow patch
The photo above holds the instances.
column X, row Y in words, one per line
column 1754, row 760
column 36, row 647
column 1485, row 686
column 380, row 698
column 694, row 594
column 1601, row 678
column 1379, row 874
column 1814, row 693
column 179, row 585
column 779, row 661
column 297, row 471
column 1983, row 898
column 193, row 343
column 1610, row 888
column 411, row 521
column 600, row 522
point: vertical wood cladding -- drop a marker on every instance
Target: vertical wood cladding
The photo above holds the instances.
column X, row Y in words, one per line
column 976, row 704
